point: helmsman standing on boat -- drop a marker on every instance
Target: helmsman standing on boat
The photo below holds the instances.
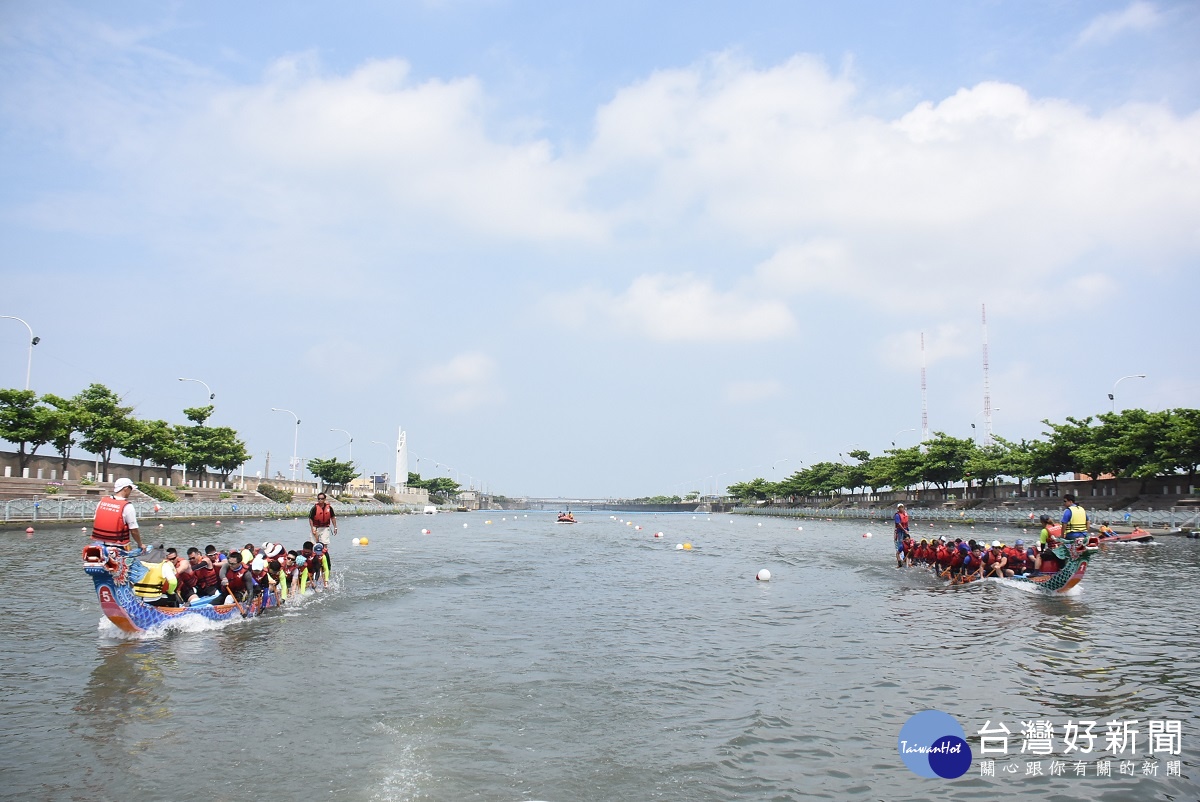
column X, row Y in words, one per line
column 116, row 520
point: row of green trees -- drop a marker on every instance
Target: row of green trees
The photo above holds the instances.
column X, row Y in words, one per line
column 440, row 487
column 333, row 472
column 96, row 421
column 1133, row 444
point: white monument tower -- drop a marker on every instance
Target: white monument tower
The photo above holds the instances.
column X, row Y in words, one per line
column 401, row 460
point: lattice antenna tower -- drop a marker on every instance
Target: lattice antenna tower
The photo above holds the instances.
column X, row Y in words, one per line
column 987, row 390
column 924, row 397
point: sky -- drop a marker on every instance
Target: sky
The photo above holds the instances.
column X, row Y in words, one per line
column 592, row 250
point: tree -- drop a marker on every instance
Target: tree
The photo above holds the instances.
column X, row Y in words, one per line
column 1180, row 445
column 169, row 445
column 334, row 472
column 67, row 422
column 1017, row 461
column 216, row 447
column 1057, row 454
column 140, row 441
column 946, row 459
column 103, row 421
column 904, row 466
column 26, row 421
column 987, row 462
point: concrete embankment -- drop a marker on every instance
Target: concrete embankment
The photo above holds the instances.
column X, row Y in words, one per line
column 1159, row 521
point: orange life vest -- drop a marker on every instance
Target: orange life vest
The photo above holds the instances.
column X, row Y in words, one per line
column 321, row 515
column 109, row 525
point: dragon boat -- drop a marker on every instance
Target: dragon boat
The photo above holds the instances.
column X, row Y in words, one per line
column 1075, row 563
column 114, row 571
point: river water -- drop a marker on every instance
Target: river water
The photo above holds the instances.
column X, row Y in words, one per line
column 520, row 659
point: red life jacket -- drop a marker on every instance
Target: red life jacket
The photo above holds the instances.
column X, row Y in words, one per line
column 206, row 576
column 109, row 525
column 236, row 579
column 322, row 514
column 956, row 558
column 943, row 554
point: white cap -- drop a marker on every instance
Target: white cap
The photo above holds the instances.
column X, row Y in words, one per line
column 121, row 484
column 995, row 543
column 898, row 506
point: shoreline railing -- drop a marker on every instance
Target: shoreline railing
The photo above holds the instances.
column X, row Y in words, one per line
column 84, row 509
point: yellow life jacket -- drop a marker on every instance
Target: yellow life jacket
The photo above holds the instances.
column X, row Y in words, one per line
column 150, row 586
column 1078, row 522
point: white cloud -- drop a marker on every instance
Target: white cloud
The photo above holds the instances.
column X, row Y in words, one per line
column 675, row 308
column 989, row 193
column 466, row 382
column 750, row 391
column 1137, row 16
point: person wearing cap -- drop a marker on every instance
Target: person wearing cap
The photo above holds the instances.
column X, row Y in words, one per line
column 1018, row 559
column 116, row 519
column 322, row 519
column 901, row 521
column 996, row 560
column 1074, row 519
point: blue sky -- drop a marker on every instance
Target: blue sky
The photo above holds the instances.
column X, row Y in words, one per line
column 602, row 249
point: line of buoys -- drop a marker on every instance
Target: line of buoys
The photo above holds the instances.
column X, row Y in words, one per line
column 763, row 576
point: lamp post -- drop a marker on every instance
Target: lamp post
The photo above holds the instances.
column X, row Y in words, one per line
column 1111, row 396
column 211, row 394
column 997, row 409
column 32, row 342
column 295, row 439
column 897, row 434
column 350, row 451
column 776, row 462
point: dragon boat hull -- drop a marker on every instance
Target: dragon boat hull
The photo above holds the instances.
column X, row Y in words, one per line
column 1062, row 581
column 110, row 571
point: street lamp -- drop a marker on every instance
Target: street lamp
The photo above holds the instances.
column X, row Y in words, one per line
column 1111, row 396
column 776, row 462
column 997, row 409
column 295, row 439
column 32, row 342
column 350, row 451
column 897, row 434
column 211, row 394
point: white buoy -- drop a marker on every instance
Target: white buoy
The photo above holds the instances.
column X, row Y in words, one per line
column 763, row 576
column 424, row 531
column 799, row 528
column 658, row 534
column 760, row 523
column 866, row 534
column 679, row 547
column 637, row 528
column 464, row 526
column 355, row 541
